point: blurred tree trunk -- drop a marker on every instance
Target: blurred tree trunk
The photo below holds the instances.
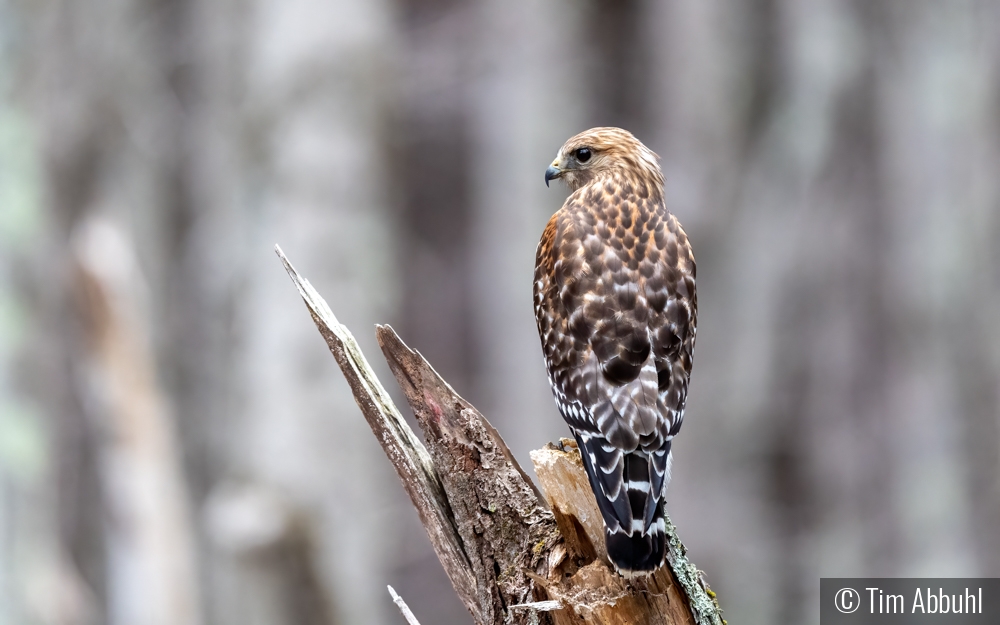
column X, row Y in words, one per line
column 433, row 162
column 522, row 106
column 305, row 125
column 151, row 562
column 202, row 126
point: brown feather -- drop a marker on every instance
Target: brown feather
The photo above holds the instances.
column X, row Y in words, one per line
column 616, row 308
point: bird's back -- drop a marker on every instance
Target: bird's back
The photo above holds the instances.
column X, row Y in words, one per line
column 615, row 304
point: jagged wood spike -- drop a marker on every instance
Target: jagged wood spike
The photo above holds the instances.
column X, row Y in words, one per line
column 402, row 447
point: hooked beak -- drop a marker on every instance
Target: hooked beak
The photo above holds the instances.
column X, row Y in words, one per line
column 552, row 173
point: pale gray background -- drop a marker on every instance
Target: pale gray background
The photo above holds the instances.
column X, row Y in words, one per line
column 836, row 164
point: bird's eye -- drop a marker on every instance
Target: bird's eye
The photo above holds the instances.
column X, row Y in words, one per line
column 582, row 154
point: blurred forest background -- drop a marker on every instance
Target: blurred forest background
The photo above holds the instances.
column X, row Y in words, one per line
column 178, row 446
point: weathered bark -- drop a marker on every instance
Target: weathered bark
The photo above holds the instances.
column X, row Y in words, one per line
column 510, row 557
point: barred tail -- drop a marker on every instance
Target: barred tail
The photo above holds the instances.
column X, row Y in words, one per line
column 638, row 553
column 629, row 490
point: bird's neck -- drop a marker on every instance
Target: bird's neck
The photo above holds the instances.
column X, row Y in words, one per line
column 644, row 184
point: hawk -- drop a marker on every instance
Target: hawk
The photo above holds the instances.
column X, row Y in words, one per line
column 615, row 303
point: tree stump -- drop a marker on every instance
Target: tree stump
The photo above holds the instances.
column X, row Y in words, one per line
column 512, row 553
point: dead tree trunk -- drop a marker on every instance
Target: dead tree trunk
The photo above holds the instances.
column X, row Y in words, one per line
column 512, row 556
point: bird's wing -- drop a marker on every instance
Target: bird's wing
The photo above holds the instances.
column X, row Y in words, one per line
column 599, row 330
column 616, row 317
column 670, row 291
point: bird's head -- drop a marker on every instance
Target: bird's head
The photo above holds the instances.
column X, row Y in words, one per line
column 601, row 153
